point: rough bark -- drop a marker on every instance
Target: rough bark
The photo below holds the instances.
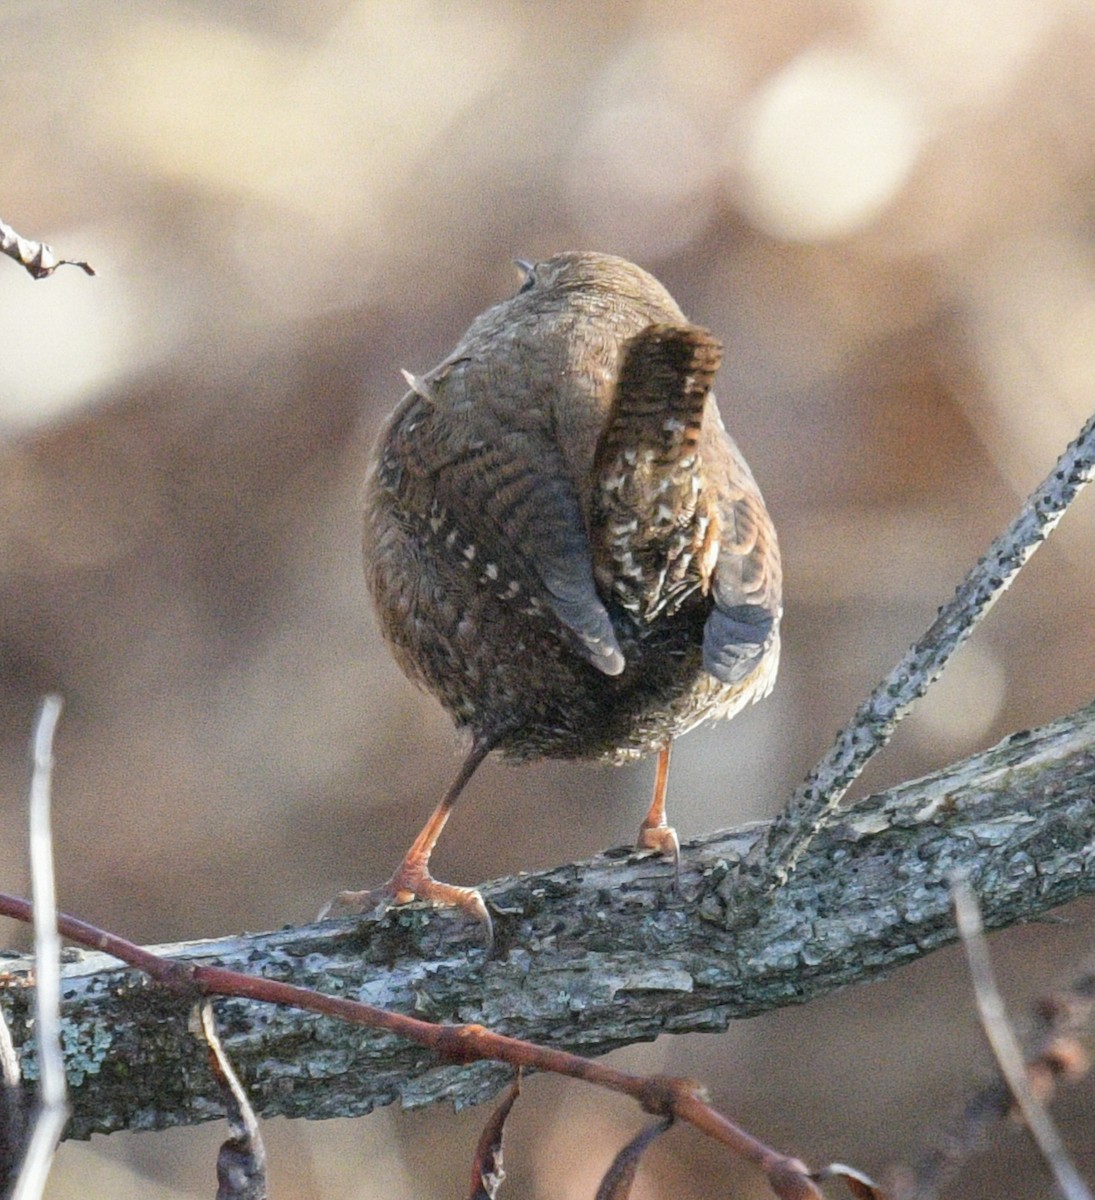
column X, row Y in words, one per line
column 788, row 837
column 591, row 955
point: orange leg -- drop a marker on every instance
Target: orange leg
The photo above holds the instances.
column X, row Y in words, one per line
column 654, row 833
column 412, row 879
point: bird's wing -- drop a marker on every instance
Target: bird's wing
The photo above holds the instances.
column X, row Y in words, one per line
column 501, row 492
column 746, row 580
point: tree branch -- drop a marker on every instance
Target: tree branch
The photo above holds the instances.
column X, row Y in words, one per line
column 818, row 798
column 591, row 955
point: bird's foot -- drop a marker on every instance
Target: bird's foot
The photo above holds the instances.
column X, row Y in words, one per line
column 663, row 838
column 413, row 882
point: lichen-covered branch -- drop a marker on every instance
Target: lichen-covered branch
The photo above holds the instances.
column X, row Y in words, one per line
column 592, row 955
column 817, row 799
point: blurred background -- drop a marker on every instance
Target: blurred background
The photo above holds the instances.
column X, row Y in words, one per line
column 885, row 210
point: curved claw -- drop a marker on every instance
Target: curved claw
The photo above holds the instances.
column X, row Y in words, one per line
column 662, row 838
column 412, row 879
column 407, row 885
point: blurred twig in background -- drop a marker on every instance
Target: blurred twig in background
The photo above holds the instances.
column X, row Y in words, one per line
column 1005, row 1046
column 37, row 257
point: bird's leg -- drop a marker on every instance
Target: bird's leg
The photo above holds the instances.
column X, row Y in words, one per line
column 412, row 879
column 654, row 833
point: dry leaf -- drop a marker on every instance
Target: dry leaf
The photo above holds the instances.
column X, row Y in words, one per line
column 619, row 1177
column 861, row 1186
column 486, row 1171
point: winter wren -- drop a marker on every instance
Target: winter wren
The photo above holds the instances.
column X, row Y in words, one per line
column 564, row 544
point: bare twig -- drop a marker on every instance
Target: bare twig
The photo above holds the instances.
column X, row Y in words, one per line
column 241, row 1163
column 15, row 1112
column 37, row 257
column 861, row 1186
column 52, row 1106
column 487, row 1171
column 1005, row 1045
column 10, row 1074
column 618, row 1179
column 681, row 1099
column 871, row 895
column 870, row 729
column 1060, row 1026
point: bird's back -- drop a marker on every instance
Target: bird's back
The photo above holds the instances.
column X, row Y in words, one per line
column 563, row 543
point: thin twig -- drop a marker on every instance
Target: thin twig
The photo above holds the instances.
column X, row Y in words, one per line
column 52, row 1106
column 1005, row 1046
column 488, row 1169
column 37, row 257
column 682, row 1099
column 872, row 895
column 874, row 722
column 241, row 1162
column 10, row 1074
column 1056, row 1055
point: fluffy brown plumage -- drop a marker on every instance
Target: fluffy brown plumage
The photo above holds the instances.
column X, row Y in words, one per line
column 563, row 543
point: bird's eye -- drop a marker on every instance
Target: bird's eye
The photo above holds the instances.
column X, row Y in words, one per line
column 530, row 278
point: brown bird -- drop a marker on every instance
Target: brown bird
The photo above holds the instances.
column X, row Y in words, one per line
column 564, row 544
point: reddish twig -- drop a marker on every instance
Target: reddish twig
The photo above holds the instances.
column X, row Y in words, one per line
column 487, row 1171
column 663, row 1096
column 616, row 1185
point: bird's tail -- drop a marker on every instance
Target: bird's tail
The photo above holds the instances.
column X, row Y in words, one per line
column 650, row 528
